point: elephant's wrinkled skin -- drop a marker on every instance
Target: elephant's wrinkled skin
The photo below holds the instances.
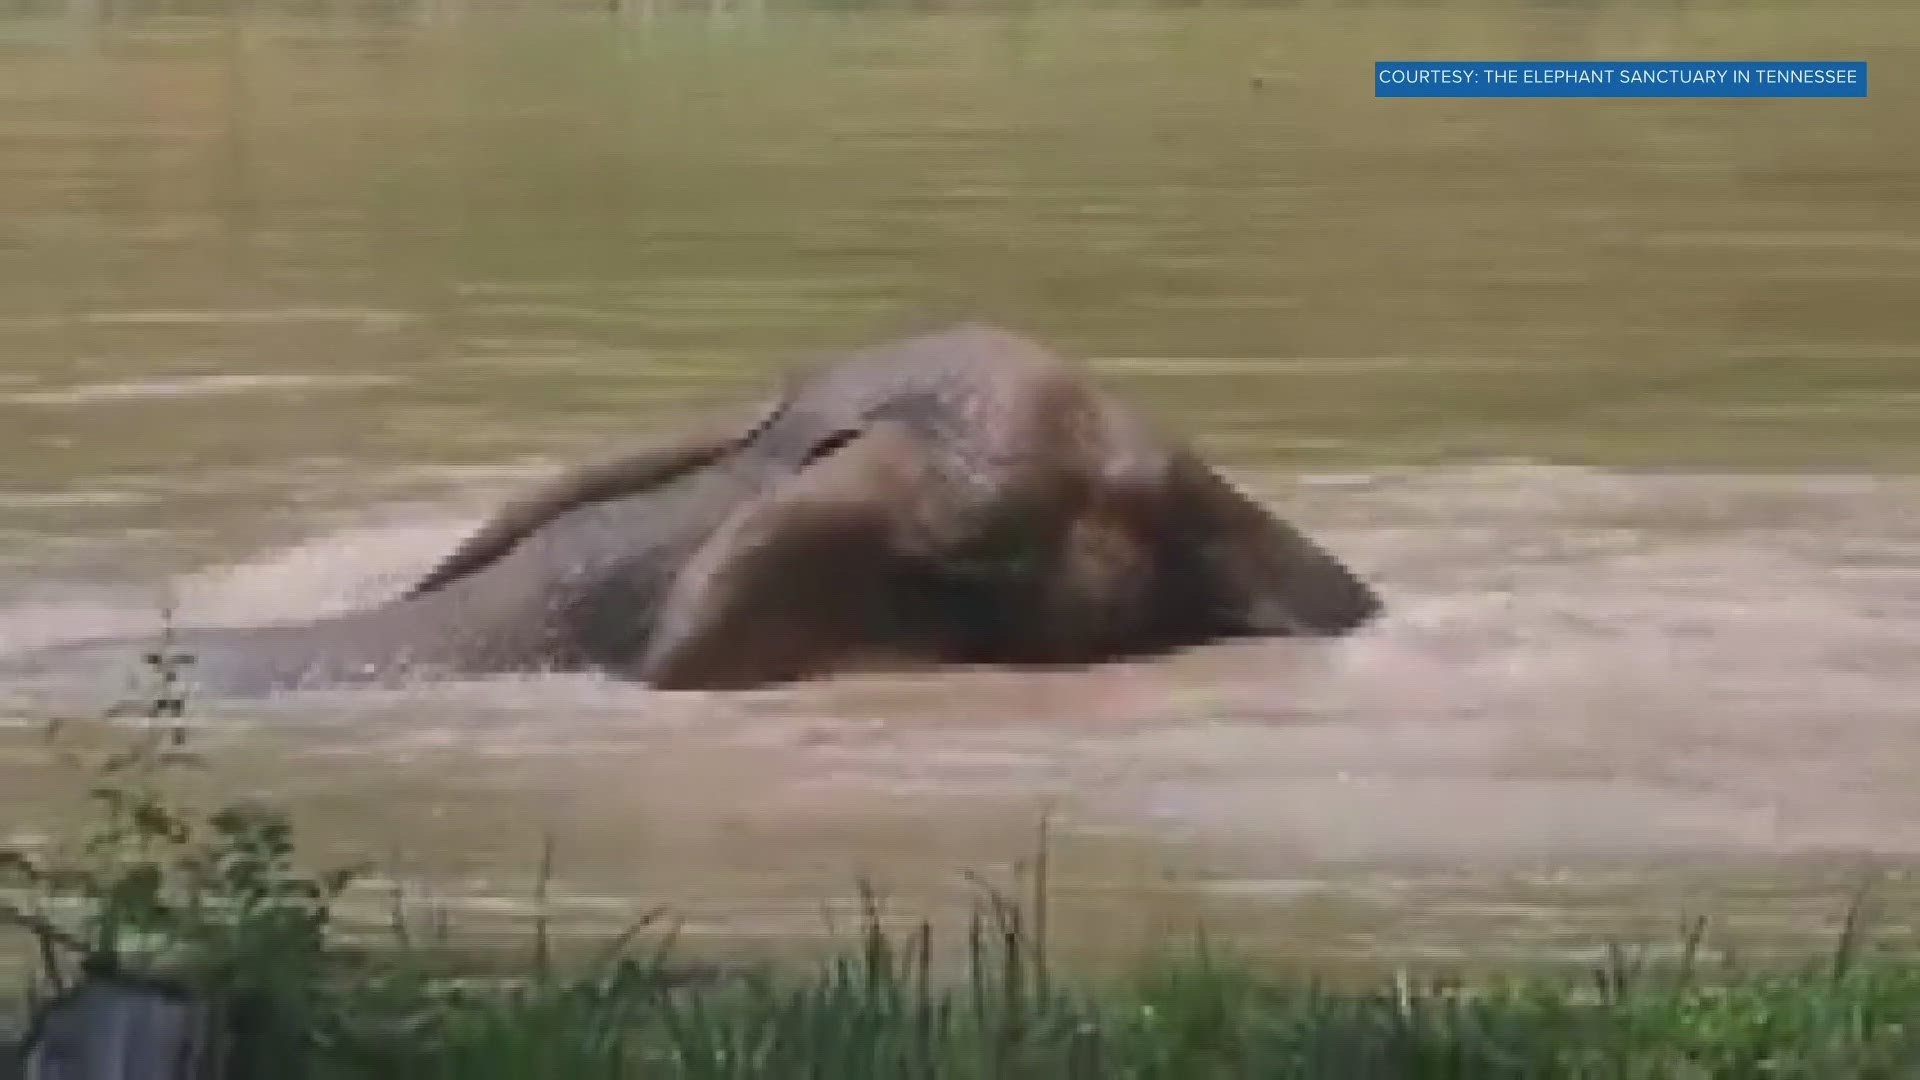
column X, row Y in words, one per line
column 963, row 496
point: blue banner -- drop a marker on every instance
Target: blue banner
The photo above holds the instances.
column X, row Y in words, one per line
column 1620, row 79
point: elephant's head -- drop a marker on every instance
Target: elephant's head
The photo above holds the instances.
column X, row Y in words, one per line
column 1244, row 571
column 1159, row 550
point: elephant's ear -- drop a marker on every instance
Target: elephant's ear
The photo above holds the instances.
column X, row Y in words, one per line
column 629, row 474
column 808, row 580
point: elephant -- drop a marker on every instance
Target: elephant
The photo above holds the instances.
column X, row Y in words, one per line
column 962, row 496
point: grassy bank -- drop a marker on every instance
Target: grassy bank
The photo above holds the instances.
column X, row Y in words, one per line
column 882, row 1006
column 221, row 904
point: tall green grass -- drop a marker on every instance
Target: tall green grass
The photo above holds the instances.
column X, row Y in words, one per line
column 223, row 907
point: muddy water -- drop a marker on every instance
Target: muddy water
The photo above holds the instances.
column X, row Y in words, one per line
column 1616, row 401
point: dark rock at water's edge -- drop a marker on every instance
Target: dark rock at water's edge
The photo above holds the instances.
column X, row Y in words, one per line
column 118, row 1029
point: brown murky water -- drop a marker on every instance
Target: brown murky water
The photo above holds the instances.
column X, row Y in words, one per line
column 1616, row 400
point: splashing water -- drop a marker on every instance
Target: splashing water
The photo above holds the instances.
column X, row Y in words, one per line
column 1577, row 668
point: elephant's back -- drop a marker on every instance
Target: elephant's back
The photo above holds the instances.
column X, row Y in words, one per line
column 614, row 555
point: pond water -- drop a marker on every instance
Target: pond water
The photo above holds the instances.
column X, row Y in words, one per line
column 1616, row 402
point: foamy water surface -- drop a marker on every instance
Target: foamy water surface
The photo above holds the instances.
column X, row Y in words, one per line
column 290, row 304
column 1617, row 679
